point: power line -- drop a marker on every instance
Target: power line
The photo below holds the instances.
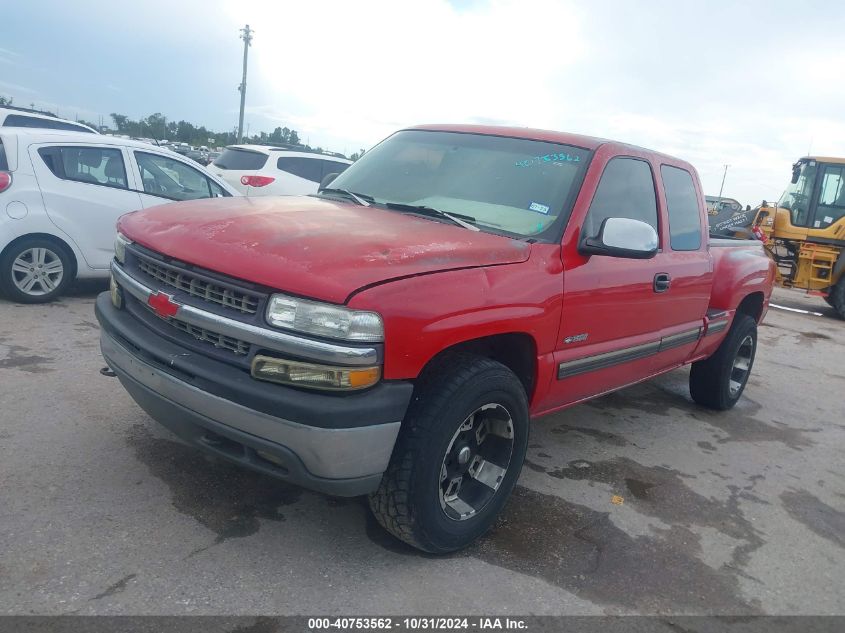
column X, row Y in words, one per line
column 246, row 36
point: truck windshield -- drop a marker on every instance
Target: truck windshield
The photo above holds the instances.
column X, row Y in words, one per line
column 514, row 186
column 797, row 196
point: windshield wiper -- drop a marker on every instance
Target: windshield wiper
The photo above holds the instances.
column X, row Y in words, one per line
column 455, row 218
column 360, row 198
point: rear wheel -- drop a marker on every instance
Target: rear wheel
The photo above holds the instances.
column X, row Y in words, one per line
column 836, row 297
column 458, row 455
column 35, row 270
column 718, row 382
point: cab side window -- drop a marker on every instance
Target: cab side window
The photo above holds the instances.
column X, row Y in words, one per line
column 682, row 203
column 626, row 190
column 94, row 165
column 831, row 197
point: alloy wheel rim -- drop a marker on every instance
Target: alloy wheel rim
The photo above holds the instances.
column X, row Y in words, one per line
column 476, row 462
column 37, row 271
column 741, row 366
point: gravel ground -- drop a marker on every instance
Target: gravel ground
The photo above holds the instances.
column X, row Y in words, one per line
column 104, row 512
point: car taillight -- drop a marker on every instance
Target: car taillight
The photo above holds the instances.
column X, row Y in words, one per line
column 5, row 180
column 256, row 181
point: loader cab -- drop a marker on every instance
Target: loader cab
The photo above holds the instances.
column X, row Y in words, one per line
column 815, row 197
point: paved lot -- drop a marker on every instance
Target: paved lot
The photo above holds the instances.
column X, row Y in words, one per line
column 101, row 511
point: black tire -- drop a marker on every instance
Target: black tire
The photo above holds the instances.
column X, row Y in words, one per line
column 717, row 382
column 409, row 502
column 49, row 281
column 836, row 297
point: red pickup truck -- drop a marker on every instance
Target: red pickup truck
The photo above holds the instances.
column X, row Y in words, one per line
column 393, row 334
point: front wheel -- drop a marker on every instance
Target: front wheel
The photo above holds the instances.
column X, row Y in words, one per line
column 458, row 455
column 718, row 382
column 35, row 270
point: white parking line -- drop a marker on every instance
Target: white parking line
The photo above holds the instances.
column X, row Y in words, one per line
column 774, row 305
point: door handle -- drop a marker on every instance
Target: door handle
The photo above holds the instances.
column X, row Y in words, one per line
column 662, row 282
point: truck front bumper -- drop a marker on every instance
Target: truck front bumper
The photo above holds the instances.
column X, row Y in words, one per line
column 335, row 444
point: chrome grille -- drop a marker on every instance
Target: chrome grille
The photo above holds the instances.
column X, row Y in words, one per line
column 218, row 340
column 207, row 336
column 216, row 293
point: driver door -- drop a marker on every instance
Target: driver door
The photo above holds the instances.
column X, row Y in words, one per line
column 613, row 309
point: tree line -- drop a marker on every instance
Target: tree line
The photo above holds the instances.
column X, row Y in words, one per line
column 156, row 126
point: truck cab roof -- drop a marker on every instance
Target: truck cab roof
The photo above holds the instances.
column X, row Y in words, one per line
column 591, row 143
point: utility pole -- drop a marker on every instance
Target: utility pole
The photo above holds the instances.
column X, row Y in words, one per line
column 723, row 182
column 246, row 36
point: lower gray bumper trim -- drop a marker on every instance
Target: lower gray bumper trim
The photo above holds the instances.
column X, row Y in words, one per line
column 326, row 453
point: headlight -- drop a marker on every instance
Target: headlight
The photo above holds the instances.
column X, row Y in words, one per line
column 323, row 319
column 120, row 243
column 296, row 374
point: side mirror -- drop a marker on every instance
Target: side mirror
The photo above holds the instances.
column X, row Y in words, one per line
column 622, row 237
column 796, row 173
column 327, row 180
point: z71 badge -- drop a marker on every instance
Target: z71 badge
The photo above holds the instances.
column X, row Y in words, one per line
column 578, row 338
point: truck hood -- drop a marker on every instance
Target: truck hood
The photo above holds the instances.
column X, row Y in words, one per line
column 310, row 246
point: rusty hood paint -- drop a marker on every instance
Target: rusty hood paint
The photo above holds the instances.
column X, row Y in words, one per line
column 310, row 246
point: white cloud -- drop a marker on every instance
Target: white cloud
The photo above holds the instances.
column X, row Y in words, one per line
column 360, row 70
column 16, row 88
column 752, row 84
column 703, row 82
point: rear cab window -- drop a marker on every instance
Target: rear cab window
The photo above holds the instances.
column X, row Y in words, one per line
column 831, row 206
column 240, row 159
column 684, row 212
column 93, row 165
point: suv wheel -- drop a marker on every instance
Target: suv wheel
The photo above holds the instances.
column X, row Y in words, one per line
column 718, row 382
column 458, row 455
column 35, row 270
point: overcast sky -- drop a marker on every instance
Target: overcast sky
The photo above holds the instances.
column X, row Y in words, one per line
column 753, row 84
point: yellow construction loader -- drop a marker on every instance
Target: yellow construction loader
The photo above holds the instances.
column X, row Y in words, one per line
column 805, row 231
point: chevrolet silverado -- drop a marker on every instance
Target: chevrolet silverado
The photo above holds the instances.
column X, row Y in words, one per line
column 393, row 334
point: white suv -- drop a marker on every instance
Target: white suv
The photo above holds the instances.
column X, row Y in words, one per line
column 261, row 170
column 61, row 194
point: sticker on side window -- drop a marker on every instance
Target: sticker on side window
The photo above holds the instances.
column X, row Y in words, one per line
column 539, row 208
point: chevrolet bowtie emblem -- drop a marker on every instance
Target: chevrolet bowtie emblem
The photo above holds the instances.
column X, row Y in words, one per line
column 163, row 304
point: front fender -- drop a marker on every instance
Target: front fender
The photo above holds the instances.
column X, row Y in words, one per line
column 427, row 314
